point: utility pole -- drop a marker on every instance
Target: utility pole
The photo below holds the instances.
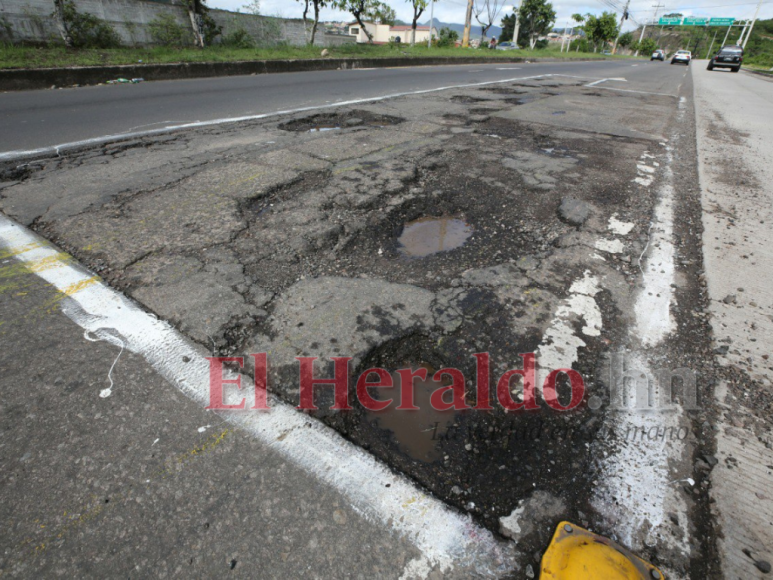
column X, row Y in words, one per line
column 654, row 21
column 517, row 23
column 622, row 19
column 467, row 25
column 431, row 21
column 748, row 34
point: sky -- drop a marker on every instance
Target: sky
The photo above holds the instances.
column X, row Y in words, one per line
column 454, row 10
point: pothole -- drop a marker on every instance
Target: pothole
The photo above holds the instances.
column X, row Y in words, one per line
column 430, row 235
column 417, row 433
column 339, row 120
column 466, row 99
column 503, row 91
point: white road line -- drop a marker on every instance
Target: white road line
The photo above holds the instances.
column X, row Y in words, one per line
column 598, row 82
column 446, row 538
column 58, row 149
column 639, row 92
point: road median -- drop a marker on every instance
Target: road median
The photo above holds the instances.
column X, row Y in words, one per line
column 43, row 78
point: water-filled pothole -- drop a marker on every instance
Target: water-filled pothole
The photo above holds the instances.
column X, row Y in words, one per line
column 323, row 128
column 417, row 432
column 430, row 235
column 339, row 120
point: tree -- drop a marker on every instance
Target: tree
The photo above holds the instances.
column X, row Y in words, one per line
column 625, row 39
column 419, row 6
column 646, row 46
column 317, row 4
column 537, row 18
column 508, row 28
column 362, row 10
column 601, row 29
column 579, row 20
column 673, row 15
column 254, row 7
column 382, row 13
column 488, row 10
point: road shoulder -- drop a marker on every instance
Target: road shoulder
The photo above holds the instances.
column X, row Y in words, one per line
column 734, row 122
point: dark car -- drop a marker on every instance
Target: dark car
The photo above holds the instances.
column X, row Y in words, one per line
column 728, row 57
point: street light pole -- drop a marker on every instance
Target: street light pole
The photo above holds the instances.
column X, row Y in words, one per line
column 431, row 21
column 563, row 36
column 654, row 20
column 517, row 23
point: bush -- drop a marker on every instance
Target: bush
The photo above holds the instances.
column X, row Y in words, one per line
column 88, row 31
column 580, row 45
column 166, row 31
column 447, row 37
column 541, row 45
column 239, row 38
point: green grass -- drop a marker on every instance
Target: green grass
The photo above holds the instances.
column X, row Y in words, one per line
column 58, row 56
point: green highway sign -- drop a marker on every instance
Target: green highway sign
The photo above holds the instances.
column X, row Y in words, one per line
column 691, row 21
column 669, row 21
column 721, row 21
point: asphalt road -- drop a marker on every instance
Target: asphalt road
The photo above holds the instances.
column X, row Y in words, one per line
column 34, row 119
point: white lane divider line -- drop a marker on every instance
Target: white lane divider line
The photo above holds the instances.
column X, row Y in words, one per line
column 445, row 538
column 59, row 149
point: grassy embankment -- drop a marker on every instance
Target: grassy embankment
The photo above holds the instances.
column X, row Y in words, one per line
column 58, row 56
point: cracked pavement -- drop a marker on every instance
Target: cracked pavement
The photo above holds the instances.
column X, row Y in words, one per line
column 283, row 236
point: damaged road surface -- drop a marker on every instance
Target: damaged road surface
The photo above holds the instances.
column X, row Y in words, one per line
column 539, row 215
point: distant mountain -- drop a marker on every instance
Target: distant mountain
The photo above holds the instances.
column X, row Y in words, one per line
column 493, row 31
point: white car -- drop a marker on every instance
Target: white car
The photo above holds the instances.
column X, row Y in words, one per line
column 682, row 57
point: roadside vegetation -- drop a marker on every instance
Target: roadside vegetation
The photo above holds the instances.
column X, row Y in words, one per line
column 59, row 56
column 85, row 40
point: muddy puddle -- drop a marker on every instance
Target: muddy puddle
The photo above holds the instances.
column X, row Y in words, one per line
column 339, row 120
column 430, row 235
column 417, row 433
column 323, row 128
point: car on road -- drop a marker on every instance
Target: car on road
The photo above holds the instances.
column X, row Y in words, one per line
column 507, row 46
column 659, row 54
column 682, row 57
column 727, row 57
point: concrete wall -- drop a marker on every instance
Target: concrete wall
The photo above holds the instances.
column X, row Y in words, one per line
column 31, row 21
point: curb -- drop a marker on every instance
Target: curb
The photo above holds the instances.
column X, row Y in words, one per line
column 44, row 78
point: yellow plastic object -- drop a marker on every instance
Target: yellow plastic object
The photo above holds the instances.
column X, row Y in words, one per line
column 577, row 554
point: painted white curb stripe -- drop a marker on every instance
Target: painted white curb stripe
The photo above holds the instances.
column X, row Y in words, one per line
column 58, row 149
column 446, row 538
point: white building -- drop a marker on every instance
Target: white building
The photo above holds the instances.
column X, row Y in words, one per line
column 383, row 33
